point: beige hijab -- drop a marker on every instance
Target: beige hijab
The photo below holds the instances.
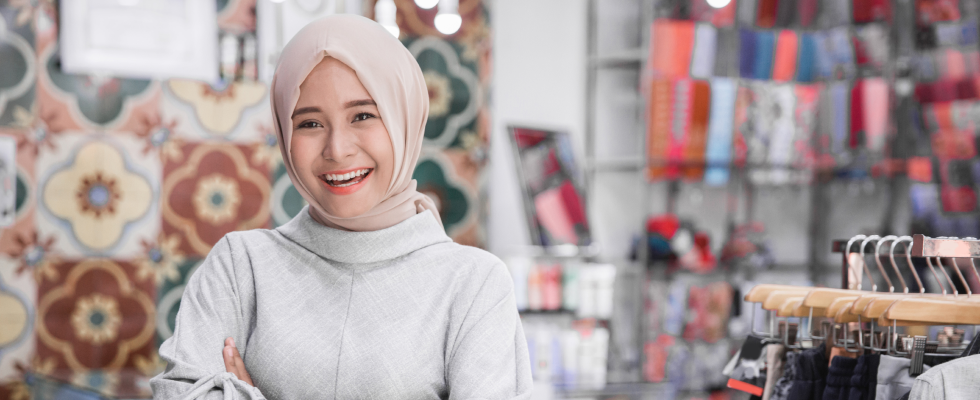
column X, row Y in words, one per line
column 394, row 80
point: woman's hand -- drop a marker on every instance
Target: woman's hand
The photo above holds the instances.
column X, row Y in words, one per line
column 234, row 363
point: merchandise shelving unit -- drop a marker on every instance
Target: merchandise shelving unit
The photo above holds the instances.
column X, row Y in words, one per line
column 625, row 373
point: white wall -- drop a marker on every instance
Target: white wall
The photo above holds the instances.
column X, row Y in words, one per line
column 538, row 80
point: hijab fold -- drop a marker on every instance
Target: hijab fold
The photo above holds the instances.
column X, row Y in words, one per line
column 394, row 80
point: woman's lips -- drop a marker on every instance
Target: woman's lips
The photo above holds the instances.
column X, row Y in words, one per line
column 350, row 187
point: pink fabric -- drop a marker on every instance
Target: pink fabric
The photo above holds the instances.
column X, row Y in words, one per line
column 955, row 65
column 875, row 98
column 393, row 79
column 554, row 216
column 786, row 49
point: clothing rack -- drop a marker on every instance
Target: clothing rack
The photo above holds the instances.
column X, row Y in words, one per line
column 922, row 246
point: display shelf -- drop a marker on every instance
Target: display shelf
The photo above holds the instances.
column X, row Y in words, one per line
column 645, row 389
column 564, row 251
column 547, row 312
column 631, row 58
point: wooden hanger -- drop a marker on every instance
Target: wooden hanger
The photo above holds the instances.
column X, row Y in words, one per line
column 775, row 300
column 838, row 304
column 934, row 311
column 824, row 297
column 788, row 308
column 759, row 293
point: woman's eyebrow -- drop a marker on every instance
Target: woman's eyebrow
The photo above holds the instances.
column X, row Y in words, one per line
column 358, row 103
column 305, row 110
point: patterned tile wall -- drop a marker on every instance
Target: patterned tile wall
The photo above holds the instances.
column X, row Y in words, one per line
column 123, row 186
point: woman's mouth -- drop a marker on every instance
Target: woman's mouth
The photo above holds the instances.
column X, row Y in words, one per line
column 347, row 179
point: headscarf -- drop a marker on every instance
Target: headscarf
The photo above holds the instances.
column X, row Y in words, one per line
column 394, row 80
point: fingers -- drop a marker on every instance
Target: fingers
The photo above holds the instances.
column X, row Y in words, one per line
column 242, row 372
column 228, row 354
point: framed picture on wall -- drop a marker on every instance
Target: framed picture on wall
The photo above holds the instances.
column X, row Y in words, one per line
column 140, row 39
column 552, row 187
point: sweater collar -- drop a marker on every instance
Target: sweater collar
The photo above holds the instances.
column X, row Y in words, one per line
column 417, row 232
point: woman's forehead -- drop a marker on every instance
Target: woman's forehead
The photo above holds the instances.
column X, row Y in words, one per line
column 331, row 79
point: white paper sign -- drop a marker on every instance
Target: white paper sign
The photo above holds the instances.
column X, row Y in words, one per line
column 278, row 21
column 153, row 39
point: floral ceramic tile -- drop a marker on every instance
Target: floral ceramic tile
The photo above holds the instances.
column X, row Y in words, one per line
column 453, row 196
column 286, row 200
column 98, row 195
column 236, row 16
column 237, row 111
column 213, row 189
column 93, row 323
column 455, row 94
column 415, row 21
column 169, row 294
column 18, row 293
column 17, row 61
column 76, row 102
column 16, row 390
column 25, row 197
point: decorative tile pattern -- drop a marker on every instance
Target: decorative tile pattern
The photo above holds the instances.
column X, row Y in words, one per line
column 215, row 190
column 17, row 61
column 25, row 197
column 168, row 301
column 236, row 16
column 79, row 102
column 455, row 95
column 97, row 195
column 436, row 176
column 457, row 70
column 123, row 186
column 93, row 322
column 286, row 200
column 239, row 111
column 18, row 292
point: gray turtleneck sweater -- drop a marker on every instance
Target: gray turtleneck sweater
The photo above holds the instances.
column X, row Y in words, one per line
column 319, row 313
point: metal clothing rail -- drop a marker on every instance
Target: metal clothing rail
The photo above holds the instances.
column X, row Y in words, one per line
column 922, row 246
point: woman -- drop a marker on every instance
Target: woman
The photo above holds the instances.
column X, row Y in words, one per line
column 362, row 295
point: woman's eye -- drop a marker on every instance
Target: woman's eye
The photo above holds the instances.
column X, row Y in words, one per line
column 363, row 116
column 309, row 124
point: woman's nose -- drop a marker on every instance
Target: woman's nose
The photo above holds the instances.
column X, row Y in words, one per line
column 340, row 145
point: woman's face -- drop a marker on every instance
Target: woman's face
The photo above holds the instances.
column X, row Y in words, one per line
column 340, row 149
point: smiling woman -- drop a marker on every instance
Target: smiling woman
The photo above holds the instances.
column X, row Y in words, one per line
column 361, row 295
column 340, row 148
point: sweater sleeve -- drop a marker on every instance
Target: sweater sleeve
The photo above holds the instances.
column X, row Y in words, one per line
column 217, row 303
column 490, row 359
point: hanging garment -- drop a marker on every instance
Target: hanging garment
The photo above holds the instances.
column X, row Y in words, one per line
column 957, row 379
column 805, row 67
column 839, row 378
column 748, row 375
column 865, row 378
column 703, row 57
column 774, row 368
column 765, row 47
column 720, row 126
column 673, row 44
column 781, row 390
column 787, row 49
column 811, row 381
column 893, row 377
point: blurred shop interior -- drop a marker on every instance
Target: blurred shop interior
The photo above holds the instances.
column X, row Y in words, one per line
column 645, row 168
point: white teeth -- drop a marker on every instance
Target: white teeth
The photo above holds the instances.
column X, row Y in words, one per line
column 347, row 176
